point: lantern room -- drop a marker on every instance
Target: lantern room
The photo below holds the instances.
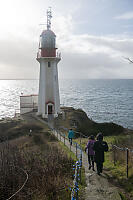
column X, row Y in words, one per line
column 47, row 44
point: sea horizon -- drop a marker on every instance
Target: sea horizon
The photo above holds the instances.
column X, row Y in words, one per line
column 104, row 100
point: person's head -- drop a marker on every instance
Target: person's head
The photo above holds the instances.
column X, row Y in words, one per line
column 99, row 136
column 91, row 137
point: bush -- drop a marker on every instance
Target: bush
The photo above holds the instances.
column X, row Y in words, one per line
column 49, row 171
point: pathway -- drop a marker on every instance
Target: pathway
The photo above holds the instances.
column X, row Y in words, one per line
column 98, row 187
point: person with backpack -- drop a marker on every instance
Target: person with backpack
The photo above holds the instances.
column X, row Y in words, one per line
column 100, row 147
column 70, row 136
column 91, row 152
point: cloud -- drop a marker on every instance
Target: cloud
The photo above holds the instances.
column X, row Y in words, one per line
column 89, row 56
column 18, row 58
column 83, row 55
column 125, row 16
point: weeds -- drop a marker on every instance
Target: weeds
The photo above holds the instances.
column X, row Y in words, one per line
column 49, row 170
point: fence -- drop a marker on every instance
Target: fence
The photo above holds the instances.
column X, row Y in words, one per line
column 78, row 165
column 125, row 156
column 122, row 154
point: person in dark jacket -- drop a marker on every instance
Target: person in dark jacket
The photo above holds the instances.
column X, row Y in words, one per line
column 100, row 147
column 70, row 136
column 91, row 152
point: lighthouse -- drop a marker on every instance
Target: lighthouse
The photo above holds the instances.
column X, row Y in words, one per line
column 48, row 58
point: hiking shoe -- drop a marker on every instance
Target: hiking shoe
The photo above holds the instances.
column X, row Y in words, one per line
column 89, row 167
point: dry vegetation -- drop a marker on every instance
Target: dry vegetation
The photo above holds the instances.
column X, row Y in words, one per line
column 48, row 167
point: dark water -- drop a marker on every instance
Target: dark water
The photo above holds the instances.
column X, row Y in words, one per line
column 102, row 100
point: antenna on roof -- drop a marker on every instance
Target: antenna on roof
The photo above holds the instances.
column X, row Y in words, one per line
column 49, row 16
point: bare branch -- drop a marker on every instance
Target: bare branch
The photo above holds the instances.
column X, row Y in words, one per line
column 130, row 61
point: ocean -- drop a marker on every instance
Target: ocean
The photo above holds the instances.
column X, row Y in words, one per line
column 102, row 100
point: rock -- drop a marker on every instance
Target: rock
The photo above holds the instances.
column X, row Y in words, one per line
column 79, row 121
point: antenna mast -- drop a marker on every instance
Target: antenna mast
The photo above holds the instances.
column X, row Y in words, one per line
column 49, row 16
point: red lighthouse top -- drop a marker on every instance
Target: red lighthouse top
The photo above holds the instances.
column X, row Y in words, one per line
column 47, row 39
column 47, row 44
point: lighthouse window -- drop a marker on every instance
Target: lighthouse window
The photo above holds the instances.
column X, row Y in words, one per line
column 49, row 65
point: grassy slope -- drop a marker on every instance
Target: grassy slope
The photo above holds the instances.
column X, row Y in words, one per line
column 33, row 147
column 117, row 172
column 35, row 150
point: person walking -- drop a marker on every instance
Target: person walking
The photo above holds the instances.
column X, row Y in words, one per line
column 70, row 136
column 91, row 152
column 100, row 147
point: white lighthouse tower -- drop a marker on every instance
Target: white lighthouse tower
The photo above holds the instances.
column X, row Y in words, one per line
column 48, row 98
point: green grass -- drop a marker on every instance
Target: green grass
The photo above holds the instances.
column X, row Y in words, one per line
column 118, row 171
column 67, row 150
column 122, row 196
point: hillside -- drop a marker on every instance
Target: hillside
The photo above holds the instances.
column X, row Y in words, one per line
column 79, row 121
column 39, row 154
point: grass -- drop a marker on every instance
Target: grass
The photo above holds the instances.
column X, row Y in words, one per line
column 83, row 178
column 117, row 172
column 67, row 150
column 48, row 166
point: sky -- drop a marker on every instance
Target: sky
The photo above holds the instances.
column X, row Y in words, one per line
column 93, row 36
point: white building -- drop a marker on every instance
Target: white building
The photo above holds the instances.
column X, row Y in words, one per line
column 47, row 102
column 48, row 98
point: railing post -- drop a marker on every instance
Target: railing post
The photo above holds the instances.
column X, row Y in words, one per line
column 64, row 139
column 114, row 155
column 77, row 193
column 127, row 158
column 76, row 150
column 80, row 139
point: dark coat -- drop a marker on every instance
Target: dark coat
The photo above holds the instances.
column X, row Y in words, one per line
column 100, row 147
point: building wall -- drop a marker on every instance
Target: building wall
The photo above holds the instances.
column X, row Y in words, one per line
column 48, row 85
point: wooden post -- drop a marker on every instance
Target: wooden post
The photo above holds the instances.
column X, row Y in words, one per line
column 127, row 158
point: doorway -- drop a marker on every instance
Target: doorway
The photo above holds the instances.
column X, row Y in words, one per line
column 50, row 109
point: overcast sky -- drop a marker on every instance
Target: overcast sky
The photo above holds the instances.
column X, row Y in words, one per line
column 93, row 37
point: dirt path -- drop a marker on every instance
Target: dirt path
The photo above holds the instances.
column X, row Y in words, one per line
column 98, row 187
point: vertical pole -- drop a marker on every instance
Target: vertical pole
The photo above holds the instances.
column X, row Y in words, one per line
column 64, row 139
column 76, row 150
column 80, row 165
column 127, row 158
column 80, row 139
column 60, row 136
column 57, row 134
column 114, row 156
column 77, row 195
